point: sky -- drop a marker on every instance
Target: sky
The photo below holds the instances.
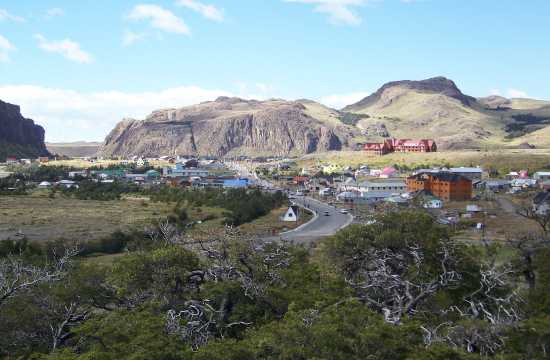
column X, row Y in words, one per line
column 79, row 67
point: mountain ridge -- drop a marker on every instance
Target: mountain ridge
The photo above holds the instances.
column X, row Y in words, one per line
column 433, row 108
column 19, row 136
column 230, row 125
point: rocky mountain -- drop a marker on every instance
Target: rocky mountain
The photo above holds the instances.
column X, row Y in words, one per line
column 233, row 126
column 436, row 108
column 19, row 136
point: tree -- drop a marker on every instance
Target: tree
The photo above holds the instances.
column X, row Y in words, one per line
column 16, row 276
column 397, row 264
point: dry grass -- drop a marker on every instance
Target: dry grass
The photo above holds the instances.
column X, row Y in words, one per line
column 500, row 225
column 503, row 160
column 41, row 218
column 84, row 164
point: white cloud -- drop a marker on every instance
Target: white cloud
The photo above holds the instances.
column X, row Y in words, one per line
column 514, row 93
column 339, row 11
column 69, row 115
column 208, row 11
column 159, row 18
column 54, row 12
column 130, row 38
column 5, row 15
column 338, row 101
column 510, row 93
column 5, row 48
column 67, row 48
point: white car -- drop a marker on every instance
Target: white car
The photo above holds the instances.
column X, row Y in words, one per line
column 344, row 211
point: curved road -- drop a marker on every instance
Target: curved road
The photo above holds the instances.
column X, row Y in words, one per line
column 321, row 225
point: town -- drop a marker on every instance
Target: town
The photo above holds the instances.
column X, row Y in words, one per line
column 453, row 195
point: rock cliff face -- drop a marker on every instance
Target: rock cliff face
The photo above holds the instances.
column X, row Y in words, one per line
column 19, row 136
column 232, row 126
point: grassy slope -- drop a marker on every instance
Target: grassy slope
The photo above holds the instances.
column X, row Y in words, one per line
column 503, row 160
column 408, row 114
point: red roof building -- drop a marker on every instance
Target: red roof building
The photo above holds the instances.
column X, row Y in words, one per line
column 379, row 148
column 401, row 145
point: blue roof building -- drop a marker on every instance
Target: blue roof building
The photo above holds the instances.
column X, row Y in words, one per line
column 235, row 183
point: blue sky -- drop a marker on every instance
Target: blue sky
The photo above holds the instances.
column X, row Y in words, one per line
column 78, row 67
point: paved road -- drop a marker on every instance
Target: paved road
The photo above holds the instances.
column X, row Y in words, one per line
column 321, row 225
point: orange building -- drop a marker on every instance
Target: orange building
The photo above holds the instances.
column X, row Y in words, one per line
column 446, row 186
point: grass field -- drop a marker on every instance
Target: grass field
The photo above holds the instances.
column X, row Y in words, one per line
column 40, row 218
column 85, row 164
column 503, row 160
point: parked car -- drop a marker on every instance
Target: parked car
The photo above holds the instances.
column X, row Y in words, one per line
column 343, row 211
column 327, row 213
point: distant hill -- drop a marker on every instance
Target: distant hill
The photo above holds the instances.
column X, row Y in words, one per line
column 436, row 108
column 433, row 108
column 75, row 149
column 19, row 136
column 233, row 126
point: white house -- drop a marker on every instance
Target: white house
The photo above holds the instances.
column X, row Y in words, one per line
column 398, row 186
column 292, row 214
column 44, row 185
column 541, row 176
column 433, row 204
column 68, row 184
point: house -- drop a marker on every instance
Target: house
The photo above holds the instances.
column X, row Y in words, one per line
column 378, row 148
column 235, row 183
column 325, row 192
column 545, row 185
column 397, row 200
column 292, row 214
column 348, row 196
column 472, row 173
column 445, row 185
column 332, row 169
column 68, row 184
column 152, row 174
column 388, row 172
column 45, row 185
column 397, row 186
column 523, row 183
column 180, row 171
column 400, row 145
column 374, row 197
column 541, row 176
column 433, row 203
column 73, row 174
column 495, row 185
column 408, row 145
column 541, row 203
column 11, row 160
column 300, row 180
column 473, row 209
